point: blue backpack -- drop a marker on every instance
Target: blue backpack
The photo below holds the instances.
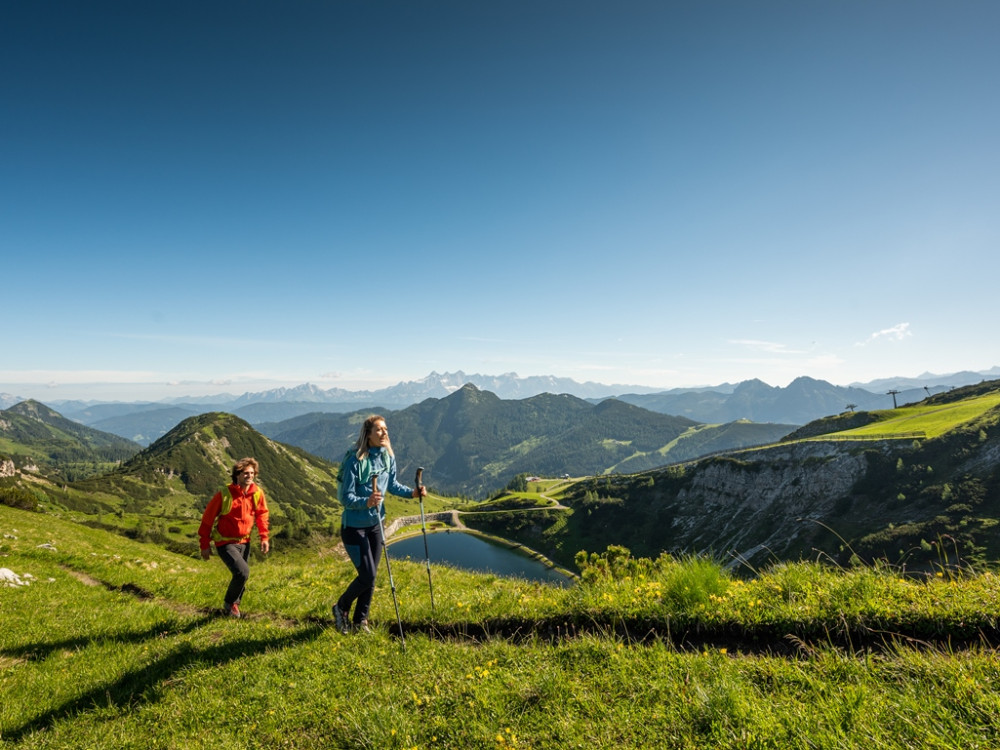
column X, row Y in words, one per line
column 365, row 472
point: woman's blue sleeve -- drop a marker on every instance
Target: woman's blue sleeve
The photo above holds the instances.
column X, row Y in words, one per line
column 352, row 500
column 395, row 487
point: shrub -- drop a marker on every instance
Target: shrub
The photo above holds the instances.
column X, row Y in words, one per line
column 17, row 497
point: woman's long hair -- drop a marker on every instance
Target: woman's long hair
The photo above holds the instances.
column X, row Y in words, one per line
column 361, row 447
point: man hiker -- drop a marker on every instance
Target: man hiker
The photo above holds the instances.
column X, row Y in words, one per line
column 228, row 520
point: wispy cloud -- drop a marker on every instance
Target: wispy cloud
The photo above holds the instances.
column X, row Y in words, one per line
column 898, row 332
column 770, row 347
column 184, row 383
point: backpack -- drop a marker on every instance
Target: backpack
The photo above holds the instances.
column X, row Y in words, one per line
column 227, row 500
column 226, row 507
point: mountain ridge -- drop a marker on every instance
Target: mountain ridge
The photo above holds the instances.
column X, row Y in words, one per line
column 37, row 435
column 473, row 442
column 160, row 492
column 823, row 492
column 507, row 385
column 890, row 495
column 144, row 421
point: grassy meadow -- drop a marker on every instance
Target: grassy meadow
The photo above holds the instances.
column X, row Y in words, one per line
column 929, row 419
column 117, row 644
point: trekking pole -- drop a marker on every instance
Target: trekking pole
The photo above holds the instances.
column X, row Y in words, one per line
column 388, row 568
column 423, row 526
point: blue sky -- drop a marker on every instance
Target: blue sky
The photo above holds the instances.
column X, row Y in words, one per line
column 206, row 197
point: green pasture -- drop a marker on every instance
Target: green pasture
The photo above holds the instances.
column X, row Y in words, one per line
column 927, row 420
column 116, row 644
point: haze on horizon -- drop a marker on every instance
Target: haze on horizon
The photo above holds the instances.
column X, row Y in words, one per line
column 207, row 197
column 151, row 392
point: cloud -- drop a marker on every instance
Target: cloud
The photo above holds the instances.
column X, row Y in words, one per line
column 770, row 347
column 898, row 332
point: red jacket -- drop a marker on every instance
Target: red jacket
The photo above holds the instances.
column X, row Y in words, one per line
column 236, row 525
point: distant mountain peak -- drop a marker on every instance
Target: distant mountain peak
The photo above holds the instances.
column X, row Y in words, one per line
column 35, row 410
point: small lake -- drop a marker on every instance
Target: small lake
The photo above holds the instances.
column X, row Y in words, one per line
column 471, row 552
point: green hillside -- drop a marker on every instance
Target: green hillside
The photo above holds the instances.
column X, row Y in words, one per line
column 115, row 644
column 893, row 485
column 160, row 492
column 42, row 440
column 472, row 442
column 930, row 418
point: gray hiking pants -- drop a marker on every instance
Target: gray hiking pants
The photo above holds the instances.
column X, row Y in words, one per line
column 235, row 556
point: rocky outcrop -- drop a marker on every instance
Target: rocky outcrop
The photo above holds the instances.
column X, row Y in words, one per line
column 7, row 468
column 765, row 503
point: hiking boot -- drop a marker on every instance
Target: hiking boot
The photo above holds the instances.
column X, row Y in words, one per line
column 362, row 627
column 340, row 618
column 232, row 610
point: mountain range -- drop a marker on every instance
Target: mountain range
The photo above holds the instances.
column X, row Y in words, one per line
column 48, row 441
column 802, row 401
column 844, row 490
column 472, row 442
column 915, row 486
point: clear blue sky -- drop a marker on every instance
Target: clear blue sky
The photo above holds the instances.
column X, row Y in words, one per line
column 205, row 197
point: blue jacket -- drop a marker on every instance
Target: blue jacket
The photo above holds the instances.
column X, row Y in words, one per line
column 356, row 487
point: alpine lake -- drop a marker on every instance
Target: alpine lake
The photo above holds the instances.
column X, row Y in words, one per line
column 471, row 552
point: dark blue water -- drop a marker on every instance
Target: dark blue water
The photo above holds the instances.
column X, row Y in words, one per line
column 474, row 553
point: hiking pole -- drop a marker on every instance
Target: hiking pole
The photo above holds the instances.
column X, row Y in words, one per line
column 423, row 526
column 388, row 568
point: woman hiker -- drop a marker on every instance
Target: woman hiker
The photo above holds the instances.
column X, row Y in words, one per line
column 360, row 527
column 228, row 520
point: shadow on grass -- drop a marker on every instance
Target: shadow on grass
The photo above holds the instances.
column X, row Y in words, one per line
column 790, row 639
column 141, row 686
column 41, row 651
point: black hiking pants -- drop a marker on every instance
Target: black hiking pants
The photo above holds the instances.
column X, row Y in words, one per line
column 364, row 546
